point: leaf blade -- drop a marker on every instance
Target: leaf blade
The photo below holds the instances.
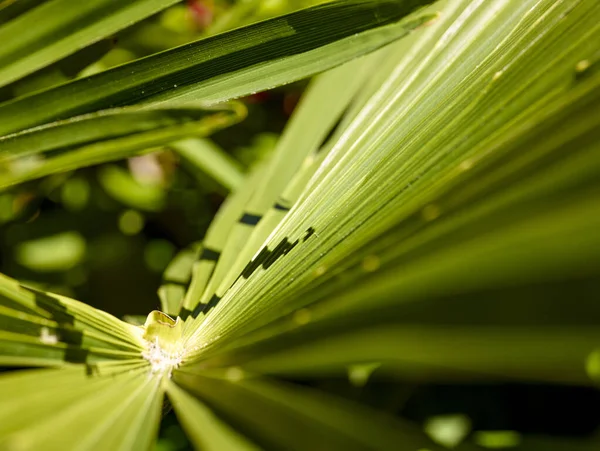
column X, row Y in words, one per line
column 223, row 67
column 55, row 29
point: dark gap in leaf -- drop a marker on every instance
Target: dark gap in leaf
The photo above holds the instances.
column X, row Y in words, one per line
column 13, row 9
column 171, row 436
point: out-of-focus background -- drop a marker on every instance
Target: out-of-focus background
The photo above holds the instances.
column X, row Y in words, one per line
column 104, row 235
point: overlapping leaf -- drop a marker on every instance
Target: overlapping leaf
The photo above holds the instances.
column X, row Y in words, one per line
column 276, row 415
column 107, row 135
column 103, row 391
column 229, row 65
column 451, row 185
column 50, row 30
column 119, row 408
column 43, row 329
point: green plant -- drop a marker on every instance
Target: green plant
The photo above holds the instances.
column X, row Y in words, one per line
column 430, row 213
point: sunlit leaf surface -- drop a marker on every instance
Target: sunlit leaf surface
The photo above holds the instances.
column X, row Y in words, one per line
column 429, row 214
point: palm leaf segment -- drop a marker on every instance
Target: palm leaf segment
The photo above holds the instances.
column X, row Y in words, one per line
column 457, row 194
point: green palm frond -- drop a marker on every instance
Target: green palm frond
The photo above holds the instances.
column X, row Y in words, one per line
column 51, row 30
column 119, row 409
column 104, row 136
column 280, row 416
column 233, row 64
column 430, row 213
column 46, row 329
